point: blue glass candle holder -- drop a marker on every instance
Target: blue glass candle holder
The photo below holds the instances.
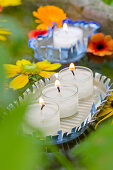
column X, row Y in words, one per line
column 44, row 48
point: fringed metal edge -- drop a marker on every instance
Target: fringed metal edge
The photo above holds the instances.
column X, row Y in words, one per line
column 76, row 132
column 83, row 23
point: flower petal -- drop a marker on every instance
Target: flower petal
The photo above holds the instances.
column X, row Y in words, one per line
column 4, row 31
column 98, row 37
column 45, row 74
column 35, row 14
column 19, row 82
column 108, row 38
column 37, row 21
column 36, row 33
column 109, row 42
column 22, row 62
column 49, row 14
column 46, row 65
column 91, row 47
column 11, row 70
column 109, row 115
column 1, row 8
column 100, row 45
column 54, row 66
column 10, row 3
column 40, row 63
column 3, row 38
column 104, row 112
column 42, row 27
column 111, row 97
column 103, row 53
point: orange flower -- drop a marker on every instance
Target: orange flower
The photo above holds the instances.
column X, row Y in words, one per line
column 100, row 45
column 47, row 15
column 1, row 8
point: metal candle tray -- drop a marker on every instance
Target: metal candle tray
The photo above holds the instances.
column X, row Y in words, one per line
column 71, row 128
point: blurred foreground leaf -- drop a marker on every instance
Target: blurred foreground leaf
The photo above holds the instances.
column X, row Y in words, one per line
column 17, row 42
column 17, row 151
column 109, row 2
column 96, row 152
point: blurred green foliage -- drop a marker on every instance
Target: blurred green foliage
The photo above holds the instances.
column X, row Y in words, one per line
column 17, row 151
column 109, row 2
column 17, row 42
column 95, row 153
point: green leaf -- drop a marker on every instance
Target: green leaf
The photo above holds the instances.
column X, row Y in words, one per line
column 96, row 152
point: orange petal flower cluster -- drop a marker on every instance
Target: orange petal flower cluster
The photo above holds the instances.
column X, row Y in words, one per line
column 46, row 15
column 100, row 45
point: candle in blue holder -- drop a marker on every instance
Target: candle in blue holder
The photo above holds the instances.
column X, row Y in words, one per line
column 67, row 36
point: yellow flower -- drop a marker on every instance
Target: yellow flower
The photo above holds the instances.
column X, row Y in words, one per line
column 48, row 14
column 3, row 33
column 24, row 69
column 107, row 110
column 5, row 3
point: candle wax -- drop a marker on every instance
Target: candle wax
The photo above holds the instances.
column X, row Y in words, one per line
column 83, row 79
column 67, row 99
column 67, row 38
column 47, row 119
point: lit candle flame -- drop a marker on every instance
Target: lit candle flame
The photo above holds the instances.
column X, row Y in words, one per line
column 41, row 102
column 57, row 85
column 72, row 68
column 65, row 27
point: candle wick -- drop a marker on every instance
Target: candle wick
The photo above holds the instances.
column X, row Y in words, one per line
column 42, row 106
column 58, row 89
column 73, row 72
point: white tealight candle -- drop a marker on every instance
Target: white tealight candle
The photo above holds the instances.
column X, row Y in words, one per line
column 80, row 76
column 67, row 36
column 66, row 96
column 44, row 116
